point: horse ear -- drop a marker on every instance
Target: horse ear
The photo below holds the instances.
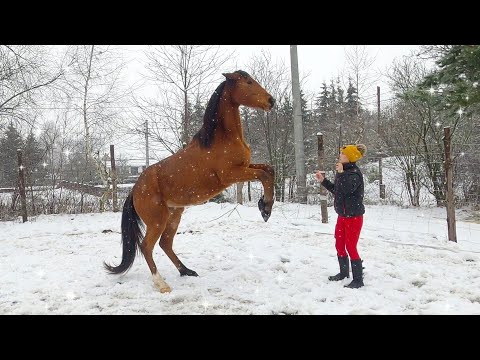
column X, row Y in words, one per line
column 232, row 76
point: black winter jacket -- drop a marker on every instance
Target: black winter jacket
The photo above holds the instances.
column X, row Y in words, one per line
column 348, row 191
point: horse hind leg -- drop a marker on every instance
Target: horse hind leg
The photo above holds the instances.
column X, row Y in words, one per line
column 166, row 241
column 155, row 228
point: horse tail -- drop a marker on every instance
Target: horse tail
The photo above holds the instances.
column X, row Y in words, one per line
column 131, row 237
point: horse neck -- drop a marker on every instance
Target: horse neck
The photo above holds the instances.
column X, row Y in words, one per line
column 229, row 114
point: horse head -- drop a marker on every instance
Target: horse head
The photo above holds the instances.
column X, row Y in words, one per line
column 244, row 90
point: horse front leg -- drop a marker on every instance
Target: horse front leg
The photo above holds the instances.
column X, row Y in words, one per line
column 265, row 203
column 264, row 173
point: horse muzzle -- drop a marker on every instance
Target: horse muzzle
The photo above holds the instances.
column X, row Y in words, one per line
column 271, row 101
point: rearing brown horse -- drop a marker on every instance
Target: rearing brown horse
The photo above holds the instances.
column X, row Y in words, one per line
column 216, row 158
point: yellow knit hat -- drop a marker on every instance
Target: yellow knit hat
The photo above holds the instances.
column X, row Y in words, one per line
column 354, row 152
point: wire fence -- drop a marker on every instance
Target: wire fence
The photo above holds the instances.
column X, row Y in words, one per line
column 411, row 179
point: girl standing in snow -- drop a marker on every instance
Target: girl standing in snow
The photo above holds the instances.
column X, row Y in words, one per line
column 348, row 203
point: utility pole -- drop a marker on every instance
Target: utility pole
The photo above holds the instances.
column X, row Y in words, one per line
column 378, row 109
column 298, row 128
column 147, row 155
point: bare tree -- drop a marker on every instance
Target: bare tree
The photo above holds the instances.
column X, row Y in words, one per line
column 359, row 68
column 24, row 72
column 95, row 90
column 162, row 119
column 415, row 129
column 271, row 134
column 182, row 70
column 57, row 142
column 433, row 52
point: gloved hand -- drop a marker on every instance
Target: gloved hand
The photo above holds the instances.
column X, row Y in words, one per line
column 319, row 175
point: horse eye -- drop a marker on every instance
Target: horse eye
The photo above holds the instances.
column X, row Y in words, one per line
column 249, row 82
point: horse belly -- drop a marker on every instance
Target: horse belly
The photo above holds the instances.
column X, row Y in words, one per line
column 196, row 188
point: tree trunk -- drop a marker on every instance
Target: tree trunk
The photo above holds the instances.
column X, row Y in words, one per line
column 185, row 122
column 290, row 187
column 33, row 199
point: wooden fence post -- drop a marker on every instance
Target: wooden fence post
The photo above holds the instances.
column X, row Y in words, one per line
column 21, row 184
column 447, row 140
column 321, row 168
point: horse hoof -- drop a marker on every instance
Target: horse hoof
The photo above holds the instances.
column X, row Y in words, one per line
column 261, row 207
column 188, row 272
column 165, row 289
column 265, row 215
column 261, row 204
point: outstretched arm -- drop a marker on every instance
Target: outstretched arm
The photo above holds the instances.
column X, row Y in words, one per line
column 324, row 182
column 327, row 184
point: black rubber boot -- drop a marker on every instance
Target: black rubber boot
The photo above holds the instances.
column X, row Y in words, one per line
column 344, row 269
column 357, row 271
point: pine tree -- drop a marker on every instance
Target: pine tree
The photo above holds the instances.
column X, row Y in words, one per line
column 340, row 100
column 310, row 130
column 196, row 117
column 332, row 103
column 285, row 160
column 459, row 76
column 10, row 142
column 454, row 90
column 351, row 101
column 33, row 158
column 321, row 104
column 304, row 108
column 353, row 124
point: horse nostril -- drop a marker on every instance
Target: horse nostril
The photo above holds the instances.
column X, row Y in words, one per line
column 271, row 101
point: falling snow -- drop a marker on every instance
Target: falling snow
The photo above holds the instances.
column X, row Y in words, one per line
column 245, row 266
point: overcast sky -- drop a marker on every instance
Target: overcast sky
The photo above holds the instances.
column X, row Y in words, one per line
column 323, row 61
column 317, row 63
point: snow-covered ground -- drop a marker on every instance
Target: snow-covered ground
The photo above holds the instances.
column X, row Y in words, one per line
column 53, row 264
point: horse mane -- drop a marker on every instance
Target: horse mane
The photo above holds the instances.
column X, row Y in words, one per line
column 210, row 120
column 243, row 73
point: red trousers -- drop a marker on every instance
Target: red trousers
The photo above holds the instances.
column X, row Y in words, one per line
column 347, row 232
